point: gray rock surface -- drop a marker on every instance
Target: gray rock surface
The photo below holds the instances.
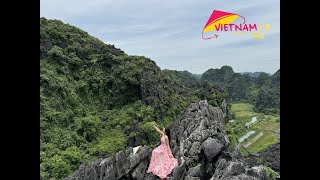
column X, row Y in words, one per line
column 269, row 157
column 198, row 141
column 211, row 148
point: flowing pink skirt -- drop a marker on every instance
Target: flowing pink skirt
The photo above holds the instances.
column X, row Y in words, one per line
column 162, row 161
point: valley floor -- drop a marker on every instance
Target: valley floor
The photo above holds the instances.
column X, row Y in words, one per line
column 255, row 131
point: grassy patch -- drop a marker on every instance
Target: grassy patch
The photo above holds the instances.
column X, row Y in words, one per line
column 264, row 141
column 243, row 111
column 271, row 173
column 268, row 126
column 274, row 118
column 239, row 107
column 245, row 116
column 243, row 152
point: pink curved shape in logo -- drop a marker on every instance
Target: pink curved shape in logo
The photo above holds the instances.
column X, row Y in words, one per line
column 217, row 16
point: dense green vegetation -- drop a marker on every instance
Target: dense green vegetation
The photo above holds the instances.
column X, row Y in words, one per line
column 260, row 89
column 96, row 100
column 268, row 100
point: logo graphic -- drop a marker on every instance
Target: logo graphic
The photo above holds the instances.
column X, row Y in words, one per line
column 220, row 21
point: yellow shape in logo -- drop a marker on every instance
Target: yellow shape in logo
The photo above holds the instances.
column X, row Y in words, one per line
column 267, row 26
column 257, row 35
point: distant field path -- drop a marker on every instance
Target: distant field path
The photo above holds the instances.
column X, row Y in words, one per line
column 259, row 129
column 254, row 139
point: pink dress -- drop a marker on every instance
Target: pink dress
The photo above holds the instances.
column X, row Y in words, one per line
column 162, row 161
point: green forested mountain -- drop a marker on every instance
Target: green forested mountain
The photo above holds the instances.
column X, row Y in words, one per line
column 96, row 100
column 198, row 76
column 253, row 74
column 263, row 90
column 268, row 99
column 194, row 87
column 240, row 87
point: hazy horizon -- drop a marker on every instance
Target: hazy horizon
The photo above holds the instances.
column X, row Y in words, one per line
column 219, row 68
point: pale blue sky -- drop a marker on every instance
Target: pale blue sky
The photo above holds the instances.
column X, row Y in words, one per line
column 169, row 31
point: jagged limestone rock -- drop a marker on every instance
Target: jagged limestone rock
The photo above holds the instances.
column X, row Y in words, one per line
column 199, row 142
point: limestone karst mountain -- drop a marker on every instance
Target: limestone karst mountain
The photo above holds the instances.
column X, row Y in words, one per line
column 96, row 100
column 198, row 140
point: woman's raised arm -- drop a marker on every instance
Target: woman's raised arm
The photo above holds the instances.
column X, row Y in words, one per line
column 157, row 129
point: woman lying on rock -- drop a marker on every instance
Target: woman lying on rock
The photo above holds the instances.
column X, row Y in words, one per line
column 162, row 161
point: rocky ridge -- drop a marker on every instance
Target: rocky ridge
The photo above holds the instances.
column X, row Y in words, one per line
column 199, row 142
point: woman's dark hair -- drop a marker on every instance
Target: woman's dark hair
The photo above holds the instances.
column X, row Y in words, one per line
column 168, row 133
column 167, row 130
